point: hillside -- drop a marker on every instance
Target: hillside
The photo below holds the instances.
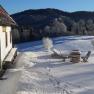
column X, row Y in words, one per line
column 38, row 23
column 29, row 17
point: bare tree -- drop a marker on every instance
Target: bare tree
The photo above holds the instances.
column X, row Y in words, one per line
column 81, row 27
column 90, row 26
column 74, row 28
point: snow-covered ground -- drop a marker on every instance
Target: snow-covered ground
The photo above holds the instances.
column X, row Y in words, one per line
column 39, row 73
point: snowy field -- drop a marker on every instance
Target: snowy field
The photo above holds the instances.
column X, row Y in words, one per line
column 42, row 74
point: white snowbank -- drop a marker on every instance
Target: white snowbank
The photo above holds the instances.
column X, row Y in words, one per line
column 38, row 73
column 53, row 76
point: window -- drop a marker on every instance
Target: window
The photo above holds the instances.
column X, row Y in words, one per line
column 10, row 37
column 6, row 39
column 4, row 29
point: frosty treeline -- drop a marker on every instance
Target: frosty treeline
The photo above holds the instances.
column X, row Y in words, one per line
column 57, row 28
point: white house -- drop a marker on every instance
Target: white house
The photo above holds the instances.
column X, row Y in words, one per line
column 6, row 50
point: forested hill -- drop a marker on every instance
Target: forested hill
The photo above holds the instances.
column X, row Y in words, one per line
column 54, row 22
column 32, row 16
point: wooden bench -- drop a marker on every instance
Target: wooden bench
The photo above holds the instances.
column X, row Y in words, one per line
column 11, row 56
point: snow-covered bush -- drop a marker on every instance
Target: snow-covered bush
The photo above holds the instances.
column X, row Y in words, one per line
column 48, row 43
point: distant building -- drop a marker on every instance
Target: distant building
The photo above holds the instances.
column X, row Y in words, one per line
column 6, row 23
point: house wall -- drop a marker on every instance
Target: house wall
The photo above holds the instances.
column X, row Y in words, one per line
column 5, row 50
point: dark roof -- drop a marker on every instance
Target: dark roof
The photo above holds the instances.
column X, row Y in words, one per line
column 5, row 18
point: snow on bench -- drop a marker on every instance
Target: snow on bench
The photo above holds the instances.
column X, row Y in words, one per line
column 12, row 54
column 58, row 54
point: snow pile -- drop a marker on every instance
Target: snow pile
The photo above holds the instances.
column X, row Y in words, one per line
column 31, row 54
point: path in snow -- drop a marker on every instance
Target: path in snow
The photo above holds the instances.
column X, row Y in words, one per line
column 12, row 75
column 52, row 76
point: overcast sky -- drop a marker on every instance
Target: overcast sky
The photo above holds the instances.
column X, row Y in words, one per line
column 13, row 6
